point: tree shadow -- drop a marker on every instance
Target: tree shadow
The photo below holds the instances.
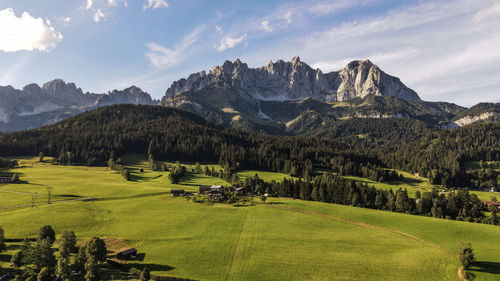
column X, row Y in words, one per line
column 153, row 267
column 5, row 258
column 485, row 266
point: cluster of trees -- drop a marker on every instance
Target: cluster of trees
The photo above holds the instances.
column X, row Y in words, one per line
column 37, row 261
column 176, row 173
column 483, row 177
column 363, row 167
column 330, row 188
column 7, row 164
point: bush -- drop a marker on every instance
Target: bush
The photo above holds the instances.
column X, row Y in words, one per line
column 466, row 254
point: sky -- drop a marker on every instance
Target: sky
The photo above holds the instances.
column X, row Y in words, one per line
column 445, row 50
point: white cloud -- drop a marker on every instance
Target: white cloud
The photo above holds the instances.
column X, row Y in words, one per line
column 288, row 17
column 218, row 29
column 493, row 10
column 265, row 26
column 154, row 4
column 26, row 33
column 89, row 4
column 162, row 57
column 125, row 4
column 98, row 15
column 229, row 42
column 67, row 20
column 330, row 7
column 112, row 2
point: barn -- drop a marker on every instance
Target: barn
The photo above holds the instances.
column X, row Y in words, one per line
column 177, row 192
column 5, row 179
column 127, row 254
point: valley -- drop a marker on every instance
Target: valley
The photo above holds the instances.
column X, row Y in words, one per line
column 222, row 242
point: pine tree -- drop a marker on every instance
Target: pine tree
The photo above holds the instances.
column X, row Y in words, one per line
column 3, row 247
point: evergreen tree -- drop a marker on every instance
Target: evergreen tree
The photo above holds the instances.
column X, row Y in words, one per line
column 63, row 268
column 466, row 254
column 91, row 269
column 67, row 243
column 3, row 247
column 96, row 248
column 47, row 232
column 44, row 275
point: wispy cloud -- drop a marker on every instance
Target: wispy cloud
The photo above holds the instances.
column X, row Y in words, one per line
column 26, row 33
column 99, row 15
column 230, row 42
column 266, row 26
column 154, row 4
column 89, row 4
column 218, row 28
column 112, row 2
column 163, row 57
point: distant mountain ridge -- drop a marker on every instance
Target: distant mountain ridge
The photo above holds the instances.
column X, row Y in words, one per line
column 296, row 80
column 35, row 106
column 292, row 98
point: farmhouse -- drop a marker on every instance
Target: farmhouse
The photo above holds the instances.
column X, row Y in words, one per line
column 177, row 192
column 205, row 189
column 4, row 179
column 127, row 254
column 490, row 203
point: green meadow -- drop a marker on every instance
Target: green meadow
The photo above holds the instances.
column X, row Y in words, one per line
column 280, row 239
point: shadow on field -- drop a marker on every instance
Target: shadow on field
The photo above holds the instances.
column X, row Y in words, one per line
column 486, row 266
column 5, row 258
column 154, row 267
column 14, row 247
column 69, row 196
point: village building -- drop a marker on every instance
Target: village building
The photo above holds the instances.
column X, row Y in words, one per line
column 127, row 254
column 5, row 179
column 177, row 192
column 206, row 189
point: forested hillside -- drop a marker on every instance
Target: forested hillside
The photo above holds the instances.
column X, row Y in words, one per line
column 174, row 135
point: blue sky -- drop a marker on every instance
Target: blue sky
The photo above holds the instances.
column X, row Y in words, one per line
column 445, row 50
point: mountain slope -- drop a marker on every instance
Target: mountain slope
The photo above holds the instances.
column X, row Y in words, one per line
column 281, row 96
column 35, row 106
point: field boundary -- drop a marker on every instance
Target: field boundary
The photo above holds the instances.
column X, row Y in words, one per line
column 363, row 224
column 236, row 248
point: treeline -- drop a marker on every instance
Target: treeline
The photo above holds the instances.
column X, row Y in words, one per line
column 329, row 188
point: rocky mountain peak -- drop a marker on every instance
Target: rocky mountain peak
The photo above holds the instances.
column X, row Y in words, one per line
column 59, row 87
column 32, row 88
column 295, row 80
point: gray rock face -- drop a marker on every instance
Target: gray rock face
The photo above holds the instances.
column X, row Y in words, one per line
column 295, row 80
column 30, row 107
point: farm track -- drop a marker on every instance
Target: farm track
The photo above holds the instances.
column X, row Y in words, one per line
column 237, row 247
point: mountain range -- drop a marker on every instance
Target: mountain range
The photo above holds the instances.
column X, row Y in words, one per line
column 36, row 106
column 280, row 98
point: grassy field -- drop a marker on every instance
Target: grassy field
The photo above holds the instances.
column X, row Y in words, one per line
column 266, row 176
column 279, row 240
